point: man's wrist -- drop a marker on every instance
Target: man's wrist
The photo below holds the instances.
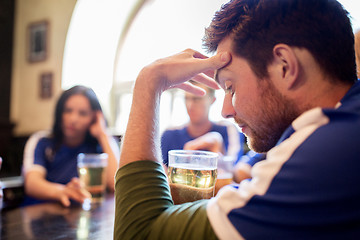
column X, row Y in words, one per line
column 149, row 80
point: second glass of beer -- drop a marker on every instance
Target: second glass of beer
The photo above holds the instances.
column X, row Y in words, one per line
column 91, row 169
column 192, row 175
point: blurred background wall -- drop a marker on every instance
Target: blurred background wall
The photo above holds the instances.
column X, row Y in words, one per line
column 29, row 111
column 22, row 108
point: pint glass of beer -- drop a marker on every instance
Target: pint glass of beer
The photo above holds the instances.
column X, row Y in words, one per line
column 192, row 175
column 224, row 174
column 91, row 169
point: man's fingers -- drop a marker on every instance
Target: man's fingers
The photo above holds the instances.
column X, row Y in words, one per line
column 208, row 66
column 186, row 86
column 199, row 55
column 201, row 78
column 189, row 64
column 199, row 63
column 206, row 80
column 217, row 61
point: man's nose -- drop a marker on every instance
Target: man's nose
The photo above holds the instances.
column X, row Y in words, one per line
column 228, row 108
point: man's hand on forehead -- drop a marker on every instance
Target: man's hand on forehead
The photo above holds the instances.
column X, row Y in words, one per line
column 206, row 67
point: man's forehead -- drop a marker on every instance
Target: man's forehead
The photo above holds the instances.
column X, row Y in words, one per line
column 225, row 45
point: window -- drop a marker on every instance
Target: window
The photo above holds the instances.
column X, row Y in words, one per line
column 161, row 28
column 91, row 44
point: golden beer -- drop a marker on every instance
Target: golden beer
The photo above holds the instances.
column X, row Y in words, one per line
column 223, row 180
column 225, row 174
column 91, row 169
column 94, row 179
column 191, row 183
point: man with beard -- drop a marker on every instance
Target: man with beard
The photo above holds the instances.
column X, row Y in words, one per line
column 288, row 70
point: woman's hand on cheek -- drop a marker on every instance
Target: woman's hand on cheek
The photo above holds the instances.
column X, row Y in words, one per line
column 98, row 128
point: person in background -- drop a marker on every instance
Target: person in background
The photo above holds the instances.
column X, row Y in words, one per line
column 202, row 134
column 242, row 169
column 357, row 52
column 293, row 91
column 50, row 160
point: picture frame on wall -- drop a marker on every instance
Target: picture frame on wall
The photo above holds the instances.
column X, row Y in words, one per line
column 46, row 85
column 38, row 41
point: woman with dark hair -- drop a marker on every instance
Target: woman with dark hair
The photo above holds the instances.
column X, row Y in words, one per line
column 79, row 127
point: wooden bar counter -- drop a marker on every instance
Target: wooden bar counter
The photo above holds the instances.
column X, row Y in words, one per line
column 53, row 221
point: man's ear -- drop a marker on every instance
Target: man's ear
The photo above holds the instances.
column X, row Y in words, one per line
column 287, row 65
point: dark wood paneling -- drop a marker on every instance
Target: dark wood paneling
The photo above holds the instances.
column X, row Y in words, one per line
column 7, row 11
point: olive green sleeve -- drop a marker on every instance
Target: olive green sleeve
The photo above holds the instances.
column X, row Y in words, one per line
column 144, row 208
